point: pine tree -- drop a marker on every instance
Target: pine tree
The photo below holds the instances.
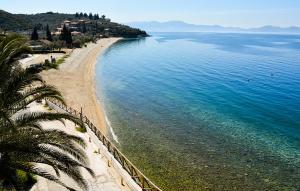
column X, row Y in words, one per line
column 85, row 15
column 81, row 15
column 64, row 33
column 66, row 36
column 90, row 16
column 69, row 39
column 96, row 17
column 84, row 30
column 34, row 34
column 77, row 15
column 48, row 33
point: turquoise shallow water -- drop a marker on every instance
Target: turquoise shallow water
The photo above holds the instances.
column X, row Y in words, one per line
column 206, row 111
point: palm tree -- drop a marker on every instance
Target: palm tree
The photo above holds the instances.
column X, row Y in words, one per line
column 24, row 144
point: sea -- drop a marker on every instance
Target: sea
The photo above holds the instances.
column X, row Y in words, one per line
column 206, row 111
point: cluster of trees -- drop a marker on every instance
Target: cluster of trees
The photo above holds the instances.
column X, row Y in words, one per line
column 90, row 16
column 94, row 30
column 66, row 36
column 35, row 34
column 119, row 30
column 80, row 41
column 65, row 39
column 91, row 30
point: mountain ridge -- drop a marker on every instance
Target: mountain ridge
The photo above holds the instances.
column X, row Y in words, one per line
column 180, row 26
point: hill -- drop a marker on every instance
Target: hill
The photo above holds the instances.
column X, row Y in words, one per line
column 50, row 18
column 25, row 23
column 13, row 22
column 179, row 26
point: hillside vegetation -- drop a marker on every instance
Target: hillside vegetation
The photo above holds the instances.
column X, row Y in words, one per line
column 12, row 22
column 50, row 18
column 24, row 22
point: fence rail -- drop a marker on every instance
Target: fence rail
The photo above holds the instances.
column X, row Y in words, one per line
column 137, row 176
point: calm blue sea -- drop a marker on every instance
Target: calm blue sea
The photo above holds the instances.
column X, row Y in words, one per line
column 207, row 111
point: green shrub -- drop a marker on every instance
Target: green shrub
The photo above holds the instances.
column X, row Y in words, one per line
column 27, row 179
column 81, row 129
column 62, row 59
column 77, row 44
column 48, row 65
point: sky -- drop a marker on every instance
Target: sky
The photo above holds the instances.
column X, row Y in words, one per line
column 239, row 13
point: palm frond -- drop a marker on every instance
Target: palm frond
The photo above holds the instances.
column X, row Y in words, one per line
column 24, row 143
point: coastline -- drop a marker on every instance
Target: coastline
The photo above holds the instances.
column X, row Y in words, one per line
column 75, row 79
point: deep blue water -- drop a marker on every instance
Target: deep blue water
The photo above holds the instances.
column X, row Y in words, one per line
column 206, row 111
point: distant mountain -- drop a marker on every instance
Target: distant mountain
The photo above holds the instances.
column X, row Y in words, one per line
column 179, row 26
column 275, row 29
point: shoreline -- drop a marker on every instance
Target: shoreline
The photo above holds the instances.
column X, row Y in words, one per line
column 75, row 79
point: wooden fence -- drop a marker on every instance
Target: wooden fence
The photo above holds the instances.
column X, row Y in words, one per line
column 138, row 177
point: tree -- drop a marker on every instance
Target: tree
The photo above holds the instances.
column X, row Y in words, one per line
column 77, row 15
column 24, row 143
column 66, row 36
column 48, row 33
column 96, row 27
column 81, row 15
column 39, row 26
column 57, row 45
column 85, row 15
column 103, row 17
column 96, row 17
column 64, row 33
column 34, row 34
column 84, row 30
column 69, row 39
column 91, row 16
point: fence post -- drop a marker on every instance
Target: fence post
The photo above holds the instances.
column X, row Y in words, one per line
column 81, row 115
column 143, row 182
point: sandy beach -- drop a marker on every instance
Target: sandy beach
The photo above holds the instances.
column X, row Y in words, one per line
column 75, row 80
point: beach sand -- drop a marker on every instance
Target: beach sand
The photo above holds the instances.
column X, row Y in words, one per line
column 105, row 177
column 75, row 80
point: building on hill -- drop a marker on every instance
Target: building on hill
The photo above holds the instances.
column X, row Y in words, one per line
column 75, row 27
column 76, row 33
column 57, row 31
column 107, row 32
column 92, row 28
column 67, row 23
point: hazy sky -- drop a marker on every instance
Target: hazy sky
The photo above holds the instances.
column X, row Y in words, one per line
column 243, row 13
